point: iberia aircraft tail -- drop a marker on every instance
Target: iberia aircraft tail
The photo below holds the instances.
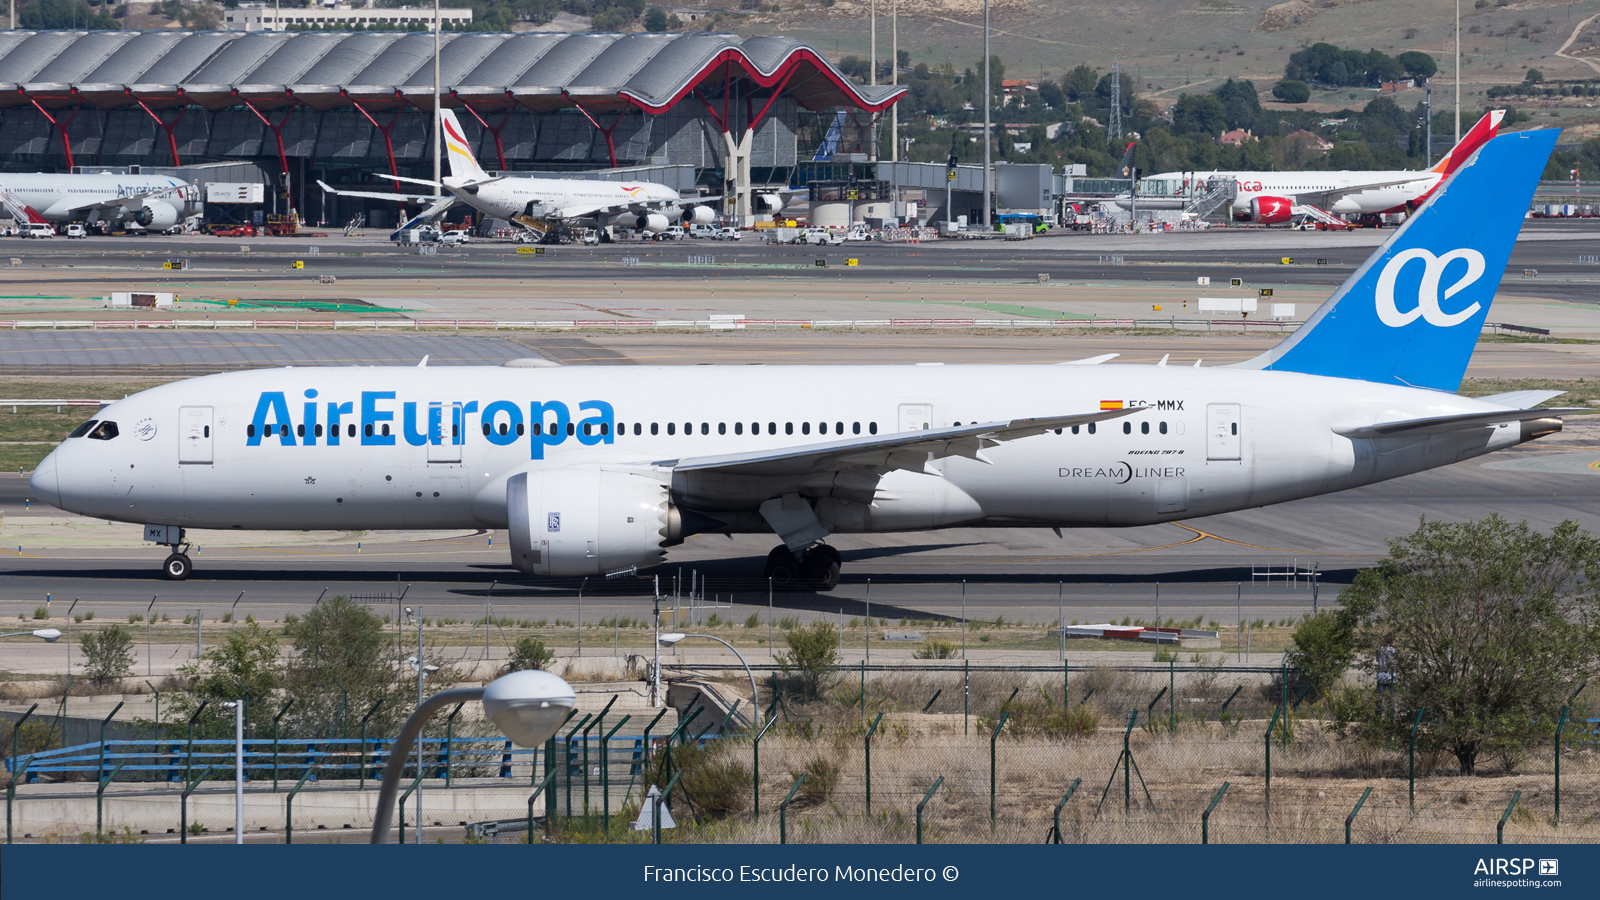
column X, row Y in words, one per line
column 1476, row 137
column 463, row 165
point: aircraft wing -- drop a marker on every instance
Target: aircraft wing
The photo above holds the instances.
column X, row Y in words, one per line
column 617, row 209
column 885, row 452
column 1457, row 423
column 119, row 202
column 1329, row 197
column 375, row 195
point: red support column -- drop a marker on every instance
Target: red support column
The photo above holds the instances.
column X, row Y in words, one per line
column 66, row 142
column 277, row 132
column 611, row 147
column 499, row 148
column 172, row 141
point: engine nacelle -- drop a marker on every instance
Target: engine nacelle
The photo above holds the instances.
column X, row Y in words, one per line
column 697, row 215
column 655, row 223
column 581, row 521
column 770, row 202
column 1270, row 210
column 156, row 215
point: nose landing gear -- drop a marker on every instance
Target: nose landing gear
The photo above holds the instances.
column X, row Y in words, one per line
column 177, row 567
column 816, row 569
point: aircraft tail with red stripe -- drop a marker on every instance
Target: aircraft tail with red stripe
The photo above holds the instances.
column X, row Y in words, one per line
column 1476, row 137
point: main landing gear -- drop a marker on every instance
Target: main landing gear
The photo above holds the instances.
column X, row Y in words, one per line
column 177, row 567
column 815, row 569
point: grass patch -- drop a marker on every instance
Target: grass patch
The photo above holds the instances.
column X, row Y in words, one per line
column 1579, row 392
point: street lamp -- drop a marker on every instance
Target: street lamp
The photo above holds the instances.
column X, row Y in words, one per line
column 50, row 635
column 670, row 639
column 527, row 706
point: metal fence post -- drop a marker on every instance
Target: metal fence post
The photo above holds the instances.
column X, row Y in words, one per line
column 929, row 796
column 783, row 810
column 867, row 746
column 183, row 804
column 531, row 797
column 99, row 797
column 1267, row 741
column 449, row 742
column 100, row 769
column 188, row 753
column 415, row 783
column 966, row 674
column 598, row 719
column 1352, row 817
column 375, row 705
column 11, row 790
column 1500, row 827
column 755, row 768
column 275, row 720
column 1066, row 679
column 1411, row 766
column 566, row 762
column 665, row 796
column 605, row 775
column 1064, row 798
column 1560, row 724
column 1205, row 817
column 995, row 736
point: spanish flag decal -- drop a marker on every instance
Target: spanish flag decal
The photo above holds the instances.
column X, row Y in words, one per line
column 1110, row 404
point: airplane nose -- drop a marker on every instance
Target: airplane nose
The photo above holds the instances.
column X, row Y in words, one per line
column 44, row 482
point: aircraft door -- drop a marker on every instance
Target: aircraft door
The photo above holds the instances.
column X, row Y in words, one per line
column 446, row 432
column 195, row 424
column 916, row 416
column 1222, row 431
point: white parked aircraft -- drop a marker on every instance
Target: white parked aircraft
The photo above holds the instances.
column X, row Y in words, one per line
column 1270, row 198
column 154, row 202
column 538, row 202
column 597, row 470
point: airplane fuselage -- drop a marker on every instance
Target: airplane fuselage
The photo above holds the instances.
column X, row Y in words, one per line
column 1341, row 193
column 547, row 198
column 58, row 197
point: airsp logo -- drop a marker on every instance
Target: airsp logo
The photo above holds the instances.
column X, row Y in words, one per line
column 1427, row 306
column 145, row 429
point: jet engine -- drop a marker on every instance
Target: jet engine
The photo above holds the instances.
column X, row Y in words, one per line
column 583, row 521
column 156, row 215
column 655, row 223
column 1270, row 210
column 771, row 202
column 697, row 215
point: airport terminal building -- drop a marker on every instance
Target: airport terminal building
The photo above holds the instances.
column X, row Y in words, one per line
column 304, row 106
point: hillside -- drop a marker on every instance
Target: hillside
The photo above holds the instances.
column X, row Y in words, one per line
column 1171, row 46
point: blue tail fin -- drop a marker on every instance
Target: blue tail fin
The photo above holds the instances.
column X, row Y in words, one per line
column 1412, row 313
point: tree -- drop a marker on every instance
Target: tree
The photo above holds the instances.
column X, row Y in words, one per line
column 107, row 654
column 1051, row 94
column 1417, row 64
column 1534, row 76
column 1490, row 623
column 529, row 653
column 64, row 15
column 1079, row 84
column 655, row 19
column 1324, row 647
column 1240, row 104
column 1199, row 115
column 1382, row 119
column 245, row 663
column 343, row 663
column 1290, row 91
column 813, row 652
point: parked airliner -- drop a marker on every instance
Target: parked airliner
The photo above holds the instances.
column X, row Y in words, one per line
column 153, row 202
column 1270, row 198
column 597, row 470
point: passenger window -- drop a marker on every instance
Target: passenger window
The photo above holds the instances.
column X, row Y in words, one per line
column 351, row 431
column 672, row 428
column 855, row 427
column 688, row 428
column 586, row 429
column 519, row 429
column 386, row 430
column 571, row 430
column 605, row 428
column 1163, row 428
column 705, row 427
column 637, row 430
column 208, row 431
column 805, row 427
column 738, row 428
column 772, row 428
column 81, row 430
column 283, row 430
column 318, row 431
column 108, row 431
column 1075, row 428
column 249, row 430
column 872, row 427
column 656, row 429
column 822, row 428
column 1127, row 428
column 486, row 429
column 1235, row 427
column 1091, row 428
column 538, row 428
column 788, row 428
column 1144, row 427
column 300, row 430
column 838, row 428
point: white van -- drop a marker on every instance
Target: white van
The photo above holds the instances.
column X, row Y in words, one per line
column 40, row 230
column 702, row 231
column 76, row 230
column 728, row 233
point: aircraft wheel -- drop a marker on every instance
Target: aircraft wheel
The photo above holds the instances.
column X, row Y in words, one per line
column 177, row 567
column 821, row 572
column 781, row 567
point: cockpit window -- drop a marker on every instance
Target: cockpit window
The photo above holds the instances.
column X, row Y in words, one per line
column 105, row 432
column 83, row 429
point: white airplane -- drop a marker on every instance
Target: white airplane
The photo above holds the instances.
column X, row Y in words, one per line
column 597, row 470
column 527, row 200
column 153, row 202
column 1270, row 198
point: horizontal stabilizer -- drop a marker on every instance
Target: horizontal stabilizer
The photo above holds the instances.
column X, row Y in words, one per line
column 1091, row 361
column 1451, row 424
column 1520, row 399
column 885, row 452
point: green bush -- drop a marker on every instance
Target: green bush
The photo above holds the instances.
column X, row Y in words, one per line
column 813, row 653
column 1291, row 91
column 822, row 778
column 108, row 654
column 529, row 653
column 934, row 648
column 41, row 612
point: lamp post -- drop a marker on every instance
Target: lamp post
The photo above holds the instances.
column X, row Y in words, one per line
column 755, row 699
column 50, row 635
column 238, row 769
column 527, row 706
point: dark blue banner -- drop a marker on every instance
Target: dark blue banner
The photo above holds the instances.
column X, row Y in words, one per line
column 711, row 870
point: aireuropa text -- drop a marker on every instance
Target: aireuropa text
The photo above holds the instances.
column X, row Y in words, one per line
column 759, row 874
